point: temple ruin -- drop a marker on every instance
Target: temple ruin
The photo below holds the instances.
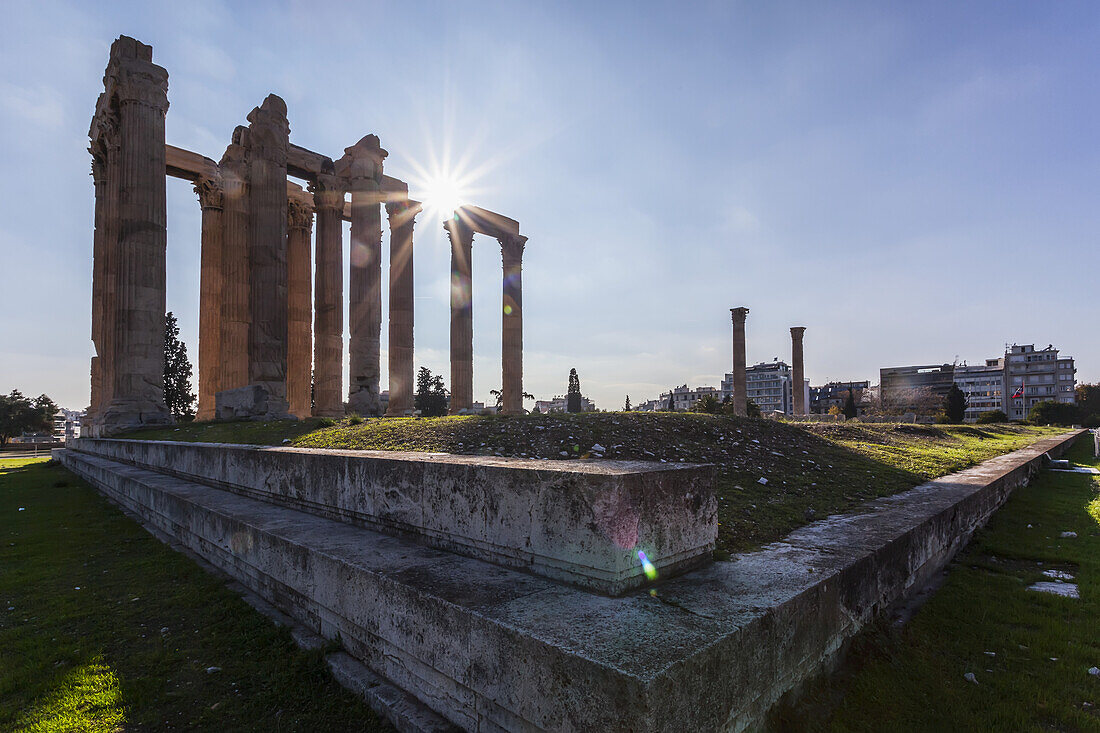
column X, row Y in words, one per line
column 263, row 350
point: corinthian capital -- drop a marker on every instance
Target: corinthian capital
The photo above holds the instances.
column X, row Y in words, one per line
column 299, row 214
column 511, row 248
column 328, row 192
column 211, row 194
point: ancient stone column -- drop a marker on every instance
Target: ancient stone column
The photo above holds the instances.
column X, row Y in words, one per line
column 740, row 387
column 511, row 248
column 141, row 90
column 328, row 307
column 236, row 284
column 105, row 176
column 299, row 356
column 401, row 215
column 798, row 372
column 268, row 142
column 211, row 200
column 361, row 168
column 462, row 323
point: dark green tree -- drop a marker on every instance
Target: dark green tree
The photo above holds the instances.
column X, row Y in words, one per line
column 708, row 404
column 671, row 406
column 752, row 409
column 850, row 410
column 19, row 415
column 626, row 407
column 954, row 406
column 177, row 372
column 431, row 395
column 1050, row 412
column 1088, row 404
column 573, row 395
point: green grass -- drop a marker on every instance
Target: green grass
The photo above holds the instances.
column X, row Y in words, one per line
column 812, row 470
column 912, row 678
column 103, row 628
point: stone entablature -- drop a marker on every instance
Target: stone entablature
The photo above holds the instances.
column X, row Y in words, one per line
column 581, row 522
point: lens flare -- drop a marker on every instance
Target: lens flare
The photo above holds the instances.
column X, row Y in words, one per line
column 647, row 566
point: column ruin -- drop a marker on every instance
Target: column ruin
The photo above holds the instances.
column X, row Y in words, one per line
column 402, row 215
column 798, row 375
column 236, row 283
column 361, row 168
column 268, row 141
column 511, row 248
column 211, row 200
column 328, row 303
column 462, row 323
column 740, row 387
column 139, row 88
column 299, row 357
column 105, row 176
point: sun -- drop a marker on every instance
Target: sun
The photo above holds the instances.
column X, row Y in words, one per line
column 442, row 195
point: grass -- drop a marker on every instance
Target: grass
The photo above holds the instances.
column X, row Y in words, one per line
column 103, row 628
column 1029, row 652
column 811, row 470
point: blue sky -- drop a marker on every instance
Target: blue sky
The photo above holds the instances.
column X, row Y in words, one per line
column 911, row 181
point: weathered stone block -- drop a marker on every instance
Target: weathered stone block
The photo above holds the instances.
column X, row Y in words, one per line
column 252, row 402
column 579, row 521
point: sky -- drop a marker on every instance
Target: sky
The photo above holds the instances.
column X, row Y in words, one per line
column 913, row 182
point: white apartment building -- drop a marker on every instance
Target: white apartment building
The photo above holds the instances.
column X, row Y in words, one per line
column 769, row 386
column 983, row 386
column 684, row 397
column 1033, row 376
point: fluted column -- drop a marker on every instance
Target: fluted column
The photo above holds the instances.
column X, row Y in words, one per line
column 328, row 299
column 401, row 217
column 211, row 199
column 361, row 167
column 299, row 356
column 798, row 371
column 740, row 387
column 268, row 142
column 105, row 176
column 235, row 259
column 139, row 269
column 462, row 323
column 511, row 248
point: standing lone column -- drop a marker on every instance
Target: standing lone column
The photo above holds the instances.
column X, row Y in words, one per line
column 210, row 295
column 462, row 323
column 740, row 387
column 268, row 142
column 511, row 249
column 236, row 308
column 328, row 304
column 105, row 176
column 361, row 167
column 401, row 215
column 141, row 89
column 798, row 376
column 299, row 356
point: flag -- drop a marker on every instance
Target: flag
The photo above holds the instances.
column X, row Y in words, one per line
column 1019, row 392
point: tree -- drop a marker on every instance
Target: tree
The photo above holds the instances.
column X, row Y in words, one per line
column 1088, row 404
column 752, row 409
column 431, row 395
column 19, row 415
column 1050, row 412
column 573, row 395
column 708, row 404
column 499, row 395
column 626, row 407
column 850, row 410
column 177, row 372
column 992, row 416
column 671, row 406
column 954, row 406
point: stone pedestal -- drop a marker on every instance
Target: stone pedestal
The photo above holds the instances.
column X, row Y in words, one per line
column 299, row 357
column 236, row 284
column 740, row 387
column 140, row 90
column 401, row 216
column 268, row 141
column 211, row 200
column 511, row 248
column 798, row 371
column 328, row 308
column 462, row 324
column 361, row 168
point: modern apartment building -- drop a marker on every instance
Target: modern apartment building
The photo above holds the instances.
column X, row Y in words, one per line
column 983, row 385
column 1036, row 375
column 900, row 386
column 768, row 384
column 684, row 397
column 835, row 394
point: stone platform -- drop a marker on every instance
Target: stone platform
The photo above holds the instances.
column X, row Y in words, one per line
column 492, row 648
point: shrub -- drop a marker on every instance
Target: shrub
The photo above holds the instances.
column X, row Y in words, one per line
column 993, row 416
column 1050, row 412
column 707, row 404
column 354, row 420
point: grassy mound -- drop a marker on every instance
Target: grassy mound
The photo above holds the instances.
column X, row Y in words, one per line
column 772, row 476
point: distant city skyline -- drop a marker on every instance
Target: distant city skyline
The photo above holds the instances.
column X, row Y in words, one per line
column 914, row 184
